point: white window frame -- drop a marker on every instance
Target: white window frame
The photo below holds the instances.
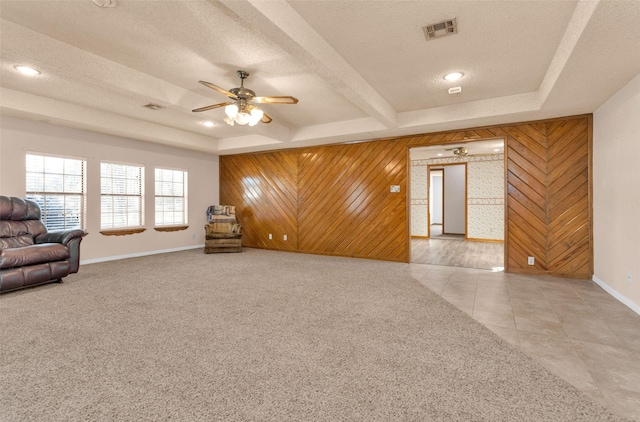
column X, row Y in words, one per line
column 43, row 184
column 121, row 186
column 171, row 191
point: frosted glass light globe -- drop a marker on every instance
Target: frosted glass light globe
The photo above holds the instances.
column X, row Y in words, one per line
column 243, row 118
column 231, row 110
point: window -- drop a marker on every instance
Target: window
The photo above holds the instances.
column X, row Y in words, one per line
column 122, row 195
column 171, row 197
column 57, row 184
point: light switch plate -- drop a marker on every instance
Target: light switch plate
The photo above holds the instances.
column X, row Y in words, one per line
column 395, row 188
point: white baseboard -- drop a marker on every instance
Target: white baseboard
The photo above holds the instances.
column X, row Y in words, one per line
column 138, row 254
column 635, row 308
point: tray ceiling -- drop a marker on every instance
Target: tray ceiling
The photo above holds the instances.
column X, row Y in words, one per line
column 361, row 70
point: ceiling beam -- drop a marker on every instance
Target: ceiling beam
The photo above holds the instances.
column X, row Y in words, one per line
column 277, row 22
column 579, row 21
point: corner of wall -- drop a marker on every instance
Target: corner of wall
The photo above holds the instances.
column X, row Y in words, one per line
column 627, row 302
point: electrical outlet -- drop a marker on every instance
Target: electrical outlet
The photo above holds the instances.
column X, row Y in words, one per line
column 285, row 237
column 193, row 235
column 629, row 280
column 531, row 261
column 270, row 236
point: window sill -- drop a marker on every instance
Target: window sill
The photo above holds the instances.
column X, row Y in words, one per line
column 121, row 232
column 170, row 228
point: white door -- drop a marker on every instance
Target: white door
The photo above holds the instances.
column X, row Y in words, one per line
column 455, row 178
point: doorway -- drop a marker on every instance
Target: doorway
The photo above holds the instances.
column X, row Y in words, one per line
column 457, row 205
column 447, row 200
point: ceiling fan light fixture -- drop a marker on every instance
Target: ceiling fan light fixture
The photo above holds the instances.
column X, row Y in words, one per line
column 231, row 110
column 256, row 116
column 242, row 114
column 242, row 118
column 460, row 152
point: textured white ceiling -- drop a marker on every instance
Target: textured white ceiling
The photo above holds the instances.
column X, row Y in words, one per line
column 361, row 69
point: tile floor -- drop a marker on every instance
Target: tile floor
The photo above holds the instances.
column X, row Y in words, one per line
column 572, row 327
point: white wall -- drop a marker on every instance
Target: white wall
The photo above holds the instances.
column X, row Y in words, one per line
column 419, row 201
column 616, row 194
column 21, row 136
column 485, row 198
column 455, row 186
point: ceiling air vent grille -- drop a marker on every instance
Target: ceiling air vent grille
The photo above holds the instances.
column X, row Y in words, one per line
column 152, row 106
column 440, row 29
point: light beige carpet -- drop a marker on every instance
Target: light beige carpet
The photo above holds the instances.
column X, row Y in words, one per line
column 262, row 336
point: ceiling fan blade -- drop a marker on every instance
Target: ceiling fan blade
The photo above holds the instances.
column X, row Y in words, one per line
column 275, row 100
column 211, row 107
column 266, row 118
column 217, row 88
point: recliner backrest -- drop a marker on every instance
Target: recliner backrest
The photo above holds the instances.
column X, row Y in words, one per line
column 19, row 222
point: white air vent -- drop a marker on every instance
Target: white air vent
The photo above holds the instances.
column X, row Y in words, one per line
column 152, row 106
column 440, row 29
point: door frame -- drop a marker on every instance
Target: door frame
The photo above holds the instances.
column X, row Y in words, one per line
column 505, row 153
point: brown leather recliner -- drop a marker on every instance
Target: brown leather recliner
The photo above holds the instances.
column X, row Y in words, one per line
column 29, row 254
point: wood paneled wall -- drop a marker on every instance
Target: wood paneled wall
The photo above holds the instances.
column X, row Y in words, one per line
column 336, row 199
column 569, row 242
column 264, row 189
column 344, row 203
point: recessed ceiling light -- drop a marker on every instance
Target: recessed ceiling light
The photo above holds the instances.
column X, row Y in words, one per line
column 440, row 155
column 496, row 150
column 208, row 123
column 105, row 3
column 26, row 70
column 453, row 76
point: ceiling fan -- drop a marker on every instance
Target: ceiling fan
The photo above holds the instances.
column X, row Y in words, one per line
column 242, row 110
column 459, row 152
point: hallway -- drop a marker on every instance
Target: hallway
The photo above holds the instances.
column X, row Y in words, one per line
column 458, row 253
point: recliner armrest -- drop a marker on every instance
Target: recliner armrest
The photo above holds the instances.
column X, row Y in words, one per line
column 59, row 236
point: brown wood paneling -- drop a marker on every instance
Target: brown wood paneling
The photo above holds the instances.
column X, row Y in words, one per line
column 335, row 199
column 526, row 197
column 345, row 207
column 569, row 240
column 263, row 187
